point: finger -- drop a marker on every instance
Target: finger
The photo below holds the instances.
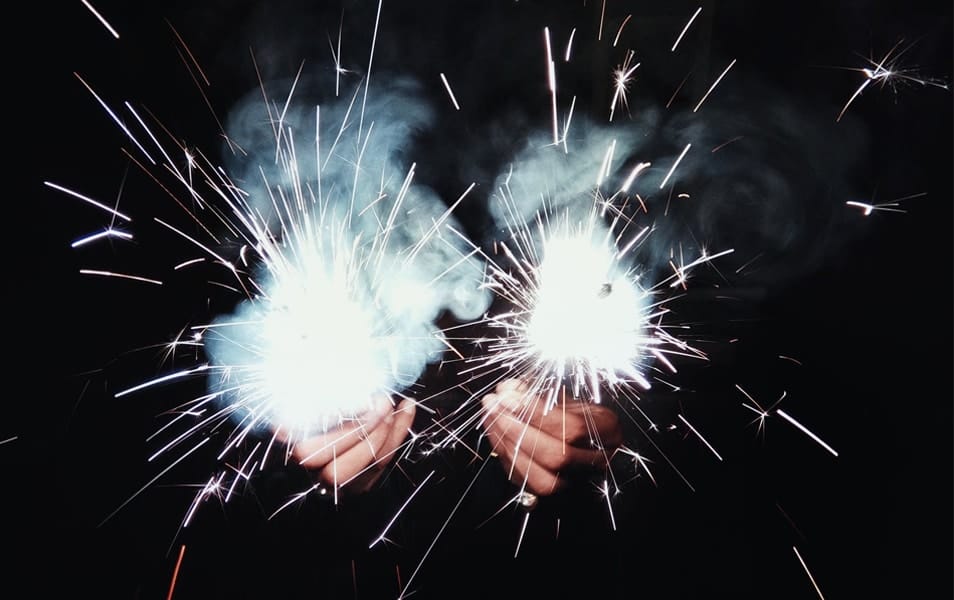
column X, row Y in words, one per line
column 551, row 452
column 361, row 470
column 512, row 400
column 403, row 417
column 578, row 423
column 522, row 470
column 583, row 424
column 317, row 451
column 347, row 464
column 512, row 385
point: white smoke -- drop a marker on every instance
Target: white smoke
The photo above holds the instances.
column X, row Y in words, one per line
column 355, row 264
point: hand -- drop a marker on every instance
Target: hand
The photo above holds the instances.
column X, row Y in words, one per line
column 355, row 454
column 540, row 448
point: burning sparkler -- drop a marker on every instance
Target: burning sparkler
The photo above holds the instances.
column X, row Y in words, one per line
column 338, row 262
column 582, row 315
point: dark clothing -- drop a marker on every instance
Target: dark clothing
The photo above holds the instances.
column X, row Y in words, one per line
column 460, row 535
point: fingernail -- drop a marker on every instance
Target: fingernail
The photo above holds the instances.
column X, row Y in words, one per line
column 513, row 401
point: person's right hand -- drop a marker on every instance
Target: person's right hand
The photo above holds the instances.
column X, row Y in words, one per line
column 353, row 456
column 541, row 449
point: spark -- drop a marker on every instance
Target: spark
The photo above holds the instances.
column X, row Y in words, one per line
column 367, row 77
column 726, row 143
column 606, row 167
column 699, row 435
column 888, row 72
column 620, row 30
column 188, row 237
column 605, row 492
column 680, row 275
column 566, row 125
column 102, row 19
column 120, row 276
column 569, row 46
column 191, row 56
column 686, row 28
column 336, row 56
column 599, row 35
column 213, row 487
column 639, row 461
column 749, row 262
column 807, row 572
column 867, row 208
column 188, row 263
column 99, row 205
column 674, row 165
column 450, row 92
column 678, row 88
column 551, row 81
column 892, row 206
column 553, row 265
column 8, row 440
column 156, row 478
column 762, row 413
column 805, row 430
column 175, row 572
column 397, row 514
column 440, row 532
column 115, row 118
column 713, row 86
column 100, row 235
column 162, row 379
column 621, row 79
column 632, row 175
column 523, row 530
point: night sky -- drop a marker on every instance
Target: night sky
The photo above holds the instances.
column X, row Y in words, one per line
column 847, row 314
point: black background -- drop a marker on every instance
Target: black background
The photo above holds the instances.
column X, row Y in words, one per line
column 863, row 303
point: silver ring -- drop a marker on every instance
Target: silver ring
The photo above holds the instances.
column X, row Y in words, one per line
column 527, row 500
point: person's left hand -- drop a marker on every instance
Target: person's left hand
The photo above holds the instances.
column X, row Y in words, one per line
column 541, row 448
column 353, row 456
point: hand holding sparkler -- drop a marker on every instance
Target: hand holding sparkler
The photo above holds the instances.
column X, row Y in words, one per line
column 544, row 447
column 356, row 453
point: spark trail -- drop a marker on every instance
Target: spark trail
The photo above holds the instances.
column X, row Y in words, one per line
column 889, row 72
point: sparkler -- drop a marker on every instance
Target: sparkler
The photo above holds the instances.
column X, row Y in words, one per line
column 583, row 318
column 338, row 262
